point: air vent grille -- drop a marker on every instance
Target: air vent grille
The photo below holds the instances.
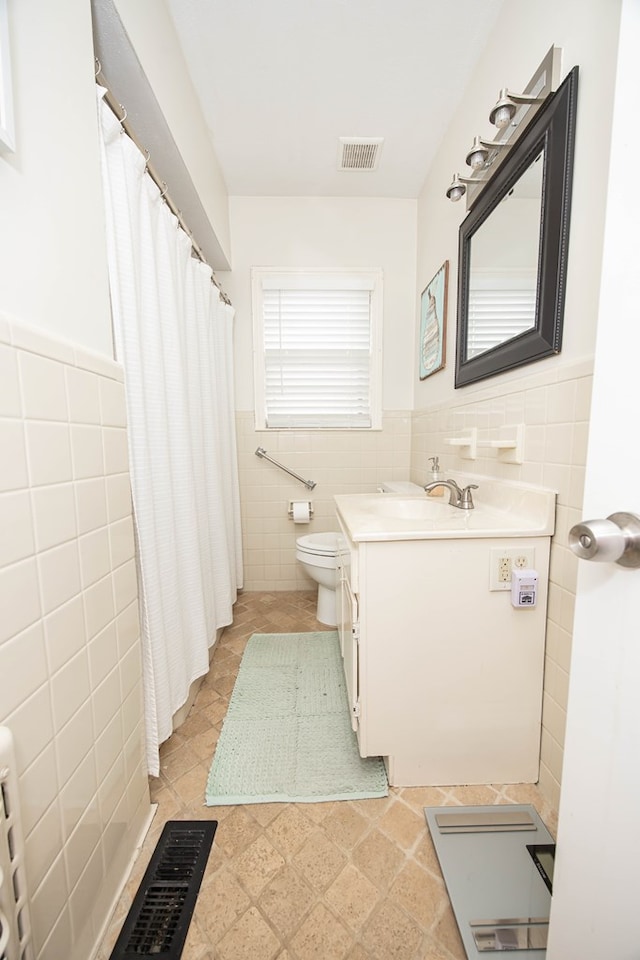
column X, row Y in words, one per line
column 359, row 153
column 158, row 921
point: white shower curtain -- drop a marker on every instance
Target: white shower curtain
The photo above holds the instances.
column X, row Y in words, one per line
column 173, row 336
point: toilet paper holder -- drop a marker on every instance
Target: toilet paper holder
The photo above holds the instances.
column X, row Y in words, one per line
column 291, row 503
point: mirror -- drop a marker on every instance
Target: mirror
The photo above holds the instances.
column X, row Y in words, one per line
column 513, row 249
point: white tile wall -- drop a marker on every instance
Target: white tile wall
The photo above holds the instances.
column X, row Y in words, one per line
column 339, row 462
column 69, row 636
column 555, row 409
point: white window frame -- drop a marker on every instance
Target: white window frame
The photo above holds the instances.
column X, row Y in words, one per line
column 318, row 278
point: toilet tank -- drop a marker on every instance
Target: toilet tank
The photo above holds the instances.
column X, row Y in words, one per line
column 400, row 486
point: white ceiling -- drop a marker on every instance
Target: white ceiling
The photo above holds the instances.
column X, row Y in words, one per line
column 281, row 80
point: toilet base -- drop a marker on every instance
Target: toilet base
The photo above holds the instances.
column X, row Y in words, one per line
column 327, row 610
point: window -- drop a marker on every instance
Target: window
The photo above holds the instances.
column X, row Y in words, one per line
column 317, row 338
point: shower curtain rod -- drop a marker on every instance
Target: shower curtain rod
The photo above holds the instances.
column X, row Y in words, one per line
column 118, row 109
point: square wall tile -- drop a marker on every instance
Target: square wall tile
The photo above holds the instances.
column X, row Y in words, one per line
column 48, row 452
column 38, row 788
column 64, row 633
column 31, row 724
column 14, row 474
column 128, row 627
column 48, row 902
column 19, row 597
column 103, row 654
column 91, row 504
column 44, row 393
column 10, row 401
column 82, row 896
column 122, row 541
column 54, row 511
column 61, row 936
column 77, row 794
column 118, row 497
column 59, row 570
column 99, row 607
column 106, row 700
column 82, row 843
column 112, row 403
column 22, row 658
column 116, row 454
column 125, row 584
column 17, row 540
column 70, row 688
column 43, row 845
column 109, row 746
column 95, row 556
column 83, row 391
column 74, row 741
column 87, row 452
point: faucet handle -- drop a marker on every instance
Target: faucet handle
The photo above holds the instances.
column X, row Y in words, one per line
column 466, row 500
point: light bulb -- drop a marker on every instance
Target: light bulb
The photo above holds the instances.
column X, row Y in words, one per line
column 477, row 159
column 456, row 191
column 502, row 116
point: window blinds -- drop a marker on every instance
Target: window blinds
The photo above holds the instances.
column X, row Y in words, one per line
column 500, row 308
column 317, row 356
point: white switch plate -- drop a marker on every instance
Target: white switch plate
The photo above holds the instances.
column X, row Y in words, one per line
column 502, row 561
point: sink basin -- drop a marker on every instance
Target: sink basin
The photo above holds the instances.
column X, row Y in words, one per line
column 502, row 509
column 414, row 508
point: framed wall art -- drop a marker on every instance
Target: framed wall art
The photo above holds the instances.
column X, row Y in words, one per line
column 433, row 323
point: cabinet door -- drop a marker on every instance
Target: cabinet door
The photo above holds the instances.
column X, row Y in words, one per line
column 349, row 634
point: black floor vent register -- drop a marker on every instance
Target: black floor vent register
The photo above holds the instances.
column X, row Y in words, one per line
column 158, row 921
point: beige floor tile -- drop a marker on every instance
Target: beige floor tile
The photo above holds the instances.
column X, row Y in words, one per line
column 290, row 829
column 220, row 904
column 350, row 880
column 352, row 896
column 319, row 861
column 236, row 831
column 402, row 825
column 257, row 865
column 249, row 939
column 321, row 937
column 379, row 858
column 419, row 894
column 286, row 901
column 346, row 826
column 391, row 935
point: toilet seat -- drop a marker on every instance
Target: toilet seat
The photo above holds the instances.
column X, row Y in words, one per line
column 318, row 544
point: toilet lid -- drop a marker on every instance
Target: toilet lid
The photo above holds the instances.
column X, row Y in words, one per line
column 324, row 544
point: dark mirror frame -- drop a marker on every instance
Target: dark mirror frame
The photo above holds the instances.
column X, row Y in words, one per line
column 551, row 130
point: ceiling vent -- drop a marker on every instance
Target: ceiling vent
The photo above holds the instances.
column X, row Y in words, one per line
column 359, row 153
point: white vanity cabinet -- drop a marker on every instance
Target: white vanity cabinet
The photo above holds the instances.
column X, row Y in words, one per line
column 444, row 676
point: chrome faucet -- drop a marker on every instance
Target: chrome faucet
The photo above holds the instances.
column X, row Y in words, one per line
column 458, row 497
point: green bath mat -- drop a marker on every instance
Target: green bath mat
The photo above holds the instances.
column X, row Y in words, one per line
column 287, row 735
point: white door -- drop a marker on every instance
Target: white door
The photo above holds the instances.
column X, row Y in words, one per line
column 595, row 912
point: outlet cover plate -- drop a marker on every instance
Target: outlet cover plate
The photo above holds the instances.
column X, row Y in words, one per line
column 523, row 557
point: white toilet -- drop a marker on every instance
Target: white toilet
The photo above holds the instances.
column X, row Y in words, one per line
column 318, row 552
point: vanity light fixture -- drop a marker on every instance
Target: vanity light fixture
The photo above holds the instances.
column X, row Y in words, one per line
column 458, row 188
column 481, row 151
column 506, row 105
column 512, row 115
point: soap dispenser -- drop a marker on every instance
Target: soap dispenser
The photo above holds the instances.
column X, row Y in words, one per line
column 436, row 474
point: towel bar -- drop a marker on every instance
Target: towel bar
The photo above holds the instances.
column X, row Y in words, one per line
column 261, row 452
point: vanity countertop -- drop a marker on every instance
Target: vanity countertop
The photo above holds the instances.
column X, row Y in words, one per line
column 502, row 509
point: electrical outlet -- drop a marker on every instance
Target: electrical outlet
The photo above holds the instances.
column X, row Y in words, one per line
column 502, row 562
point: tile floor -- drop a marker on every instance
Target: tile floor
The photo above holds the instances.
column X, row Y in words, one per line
column 351, row 880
